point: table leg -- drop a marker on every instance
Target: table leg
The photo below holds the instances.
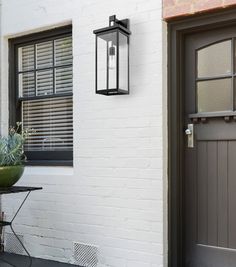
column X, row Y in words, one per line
column 13, row 231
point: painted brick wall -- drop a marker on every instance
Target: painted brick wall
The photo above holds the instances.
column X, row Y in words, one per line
column 177, row 8
column 114, row 196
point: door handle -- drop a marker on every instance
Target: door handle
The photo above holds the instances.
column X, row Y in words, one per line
column 188, row 132
column 190, row 135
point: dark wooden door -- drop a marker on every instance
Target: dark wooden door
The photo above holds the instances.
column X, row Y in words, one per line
column 209, row 192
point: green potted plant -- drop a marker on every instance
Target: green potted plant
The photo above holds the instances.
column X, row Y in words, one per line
column 12, row 156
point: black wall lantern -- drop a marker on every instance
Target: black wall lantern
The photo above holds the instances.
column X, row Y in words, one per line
column 112, row 58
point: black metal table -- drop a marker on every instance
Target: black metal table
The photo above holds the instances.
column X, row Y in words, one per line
column 11, row 190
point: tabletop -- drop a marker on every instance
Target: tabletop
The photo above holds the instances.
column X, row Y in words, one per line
column 17, row 189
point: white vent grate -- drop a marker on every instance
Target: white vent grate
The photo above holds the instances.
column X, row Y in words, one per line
column 85, row 255
column 12, row 244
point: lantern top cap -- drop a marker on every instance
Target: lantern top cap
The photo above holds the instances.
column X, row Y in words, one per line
column 115, row 24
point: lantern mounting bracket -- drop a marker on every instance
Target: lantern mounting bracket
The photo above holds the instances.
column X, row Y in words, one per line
column 114, row 21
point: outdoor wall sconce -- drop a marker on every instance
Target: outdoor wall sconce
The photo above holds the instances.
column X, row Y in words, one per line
column 112, row 58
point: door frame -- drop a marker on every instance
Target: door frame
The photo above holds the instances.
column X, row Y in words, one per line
column 177, row 30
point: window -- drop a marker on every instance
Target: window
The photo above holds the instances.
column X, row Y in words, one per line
column 41, row 90
column 215, row 76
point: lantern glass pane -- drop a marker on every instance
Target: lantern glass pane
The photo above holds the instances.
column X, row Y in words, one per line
column 112, row 61
column 107, row 61
column 123, row 62
column 101, row 64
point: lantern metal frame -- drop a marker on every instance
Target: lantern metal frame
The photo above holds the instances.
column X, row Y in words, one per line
column 115, row 26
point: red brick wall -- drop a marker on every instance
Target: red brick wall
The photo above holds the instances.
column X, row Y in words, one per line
column 177, row 8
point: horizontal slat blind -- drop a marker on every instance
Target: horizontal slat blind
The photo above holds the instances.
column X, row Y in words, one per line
column 44, row 82
column 63, row 80
column 63, row 51
column 27, row 84
column 26, row 58
column 44, row 71
column 45, row 68
column 44, row 54
column 52, row 121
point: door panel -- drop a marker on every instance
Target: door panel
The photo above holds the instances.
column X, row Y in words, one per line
column 202, row 209
column 209, row 192
column 222, row 184
column 232, row 194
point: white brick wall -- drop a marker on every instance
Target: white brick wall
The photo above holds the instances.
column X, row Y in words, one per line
column 114, row 196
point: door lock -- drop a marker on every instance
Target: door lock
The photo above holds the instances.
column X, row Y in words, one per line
column 190, row 135
column 188, row 132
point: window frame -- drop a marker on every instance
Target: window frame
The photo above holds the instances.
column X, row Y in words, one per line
column 231, row 76
column 39, row 158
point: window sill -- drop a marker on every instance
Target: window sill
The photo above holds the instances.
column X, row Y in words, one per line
column 49, row 163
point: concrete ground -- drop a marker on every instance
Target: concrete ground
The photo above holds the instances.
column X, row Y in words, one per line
column 23, row 261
